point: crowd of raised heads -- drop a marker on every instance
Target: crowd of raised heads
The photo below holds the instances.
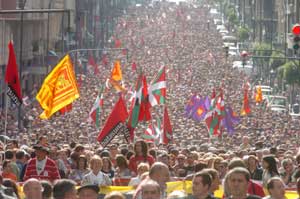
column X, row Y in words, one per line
column 60, row 157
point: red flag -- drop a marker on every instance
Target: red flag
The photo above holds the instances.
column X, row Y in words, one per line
column 12, row 77
column 167, row 131
column 91, row 62
column 66, row 109
column 115, row 124
column 246, row 107
column 118, row 43
column 145, row 114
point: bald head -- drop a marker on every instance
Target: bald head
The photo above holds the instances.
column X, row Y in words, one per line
column 33, row 189
column 159, row 172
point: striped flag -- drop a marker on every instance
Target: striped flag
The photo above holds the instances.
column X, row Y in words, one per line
column 94, row 114
column 158, row 87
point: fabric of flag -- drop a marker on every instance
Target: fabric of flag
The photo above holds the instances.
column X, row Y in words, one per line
column 135, row 106
column 229, row 120
column 199, row 111
column 258, row 95
column 59, row 88
column 246, row 106
column 116, row 77
column 151, row 134
column 167, row 128
column 66, row 109
column 145, row 114
column 133, row 66
column 212, row 118
column 91, row 62
column 118, row 43
column 114, row 124
column 207, row 103
column 94, row 114
column 189, row 107
column 158, row 87
column 14, row 90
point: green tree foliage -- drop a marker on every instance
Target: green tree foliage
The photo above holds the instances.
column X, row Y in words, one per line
column 243, row 33
column 275, row 62
column 291, row 72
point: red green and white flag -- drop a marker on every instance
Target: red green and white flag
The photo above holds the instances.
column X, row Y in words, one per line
column 94, row 114
column 167, row 136
column 158, row 87
column 212, row 118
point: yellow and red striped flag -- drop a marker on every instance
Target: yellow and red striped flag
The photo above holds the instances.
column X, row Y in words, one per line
column 59, row 88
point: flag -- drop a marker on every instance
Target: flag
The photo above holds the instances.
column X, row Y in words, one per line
column 151, row 134
column 116, row 77
column 14, row 90
column 59, row 88
column 135, row 106
column 246, row 107
column 167, row 128
column 145, row 114
column 118, row 43
column 229, row 120
column 189, row 107
column 66, row 109
column 212, row 119
column 133, row 66
column 198, row 111
column 91, row 62
column 258, row 95
column 94, row 114
column 114, row 124
column 157, row 90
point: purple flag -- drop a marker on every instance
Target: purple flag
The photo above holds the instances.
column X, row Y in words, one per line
column 199, row 110
column 189, row 107
column 229, row 120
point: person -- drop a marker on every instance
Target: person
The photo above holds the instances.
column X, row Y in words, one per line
column 114, row 195
column 288, row 171
column 141, row 155
column 150, row 189
column 64, row 189
column 7, row 171
column 12, row 184
column 10, row 155
column 96, row 176
column 108, row 167
column 88, row 192
column 201, row 185
column 253, row 168
column 215, row 180
column 269, row 165
column 47, row 189
column 276, row 188
column 41, row 167
column 236, row 181
column 245, row 143
column 33, row 189
column 142, row 168
column 123, row 174
column 80, row 171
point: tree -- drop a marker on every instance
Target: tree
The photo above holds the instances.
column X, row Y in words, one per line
column 243, row 33
column 275, row 62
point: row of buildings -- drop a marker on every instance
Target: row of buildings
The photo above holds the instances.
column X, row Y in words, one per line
column 48, row 34
column 269, row 20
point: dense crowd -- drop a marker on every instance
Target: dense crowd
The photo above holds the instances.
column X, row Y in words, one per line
column 263, row 150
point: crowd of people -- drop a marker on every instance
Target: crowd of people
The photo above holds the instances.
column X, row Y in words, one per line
column 51, row 157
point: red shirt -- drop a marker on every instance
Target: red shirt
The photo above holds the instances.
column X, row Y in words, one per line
column 136, row 160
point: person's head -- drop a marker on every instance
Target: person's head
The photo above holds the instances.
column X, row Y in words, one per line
column 114, row 195
column 215, row 179
column 82, row 162
column 201, row 184
column 121, row 161
column 6, row 166
column 41, row 152
column 245, row 140
column 88, row 192
column 20, row 156
column 150, row 189
column 252, row 161
column 142, row 168
column 269, row 163
column 236, row 162
column 64, row 189
column 164, row 158
column 141, row 148
column 113, row 149
column 43, row 140
column 177, row 195
column 236, row 180
column 47, row 187
column 287, row 164
column 107, row 164
column 276, row 188
column 159, row 172
column 11, row 184
column 33, row 189
column 79, row 149
column 180, row 159
column 96, row 163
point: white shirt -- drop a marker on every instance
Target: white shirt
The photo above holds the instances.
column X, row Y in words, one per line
column 40, row 166
column 101, row 179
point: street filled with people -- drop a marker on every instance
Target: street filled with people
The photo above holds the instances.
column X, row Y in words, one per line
column 60, row 157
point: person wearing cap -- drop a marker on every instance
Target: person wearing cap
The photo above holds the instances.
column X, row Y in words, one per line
column 41, row 167
column 89, row 191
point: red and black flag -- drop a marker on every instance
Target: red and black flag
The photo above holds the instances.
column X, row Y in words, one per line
column 12, row 77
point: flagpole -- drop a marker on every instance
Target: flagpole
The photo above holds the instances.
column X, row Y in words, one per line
column 6, row 110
